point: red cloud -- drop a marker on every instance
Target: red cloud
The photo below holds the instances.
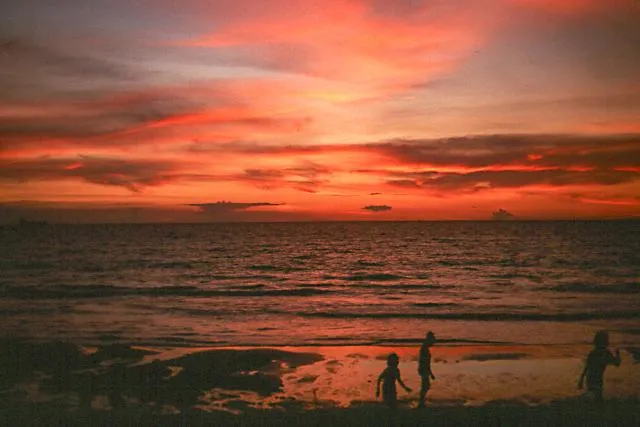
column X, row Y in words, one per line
column 349, row 41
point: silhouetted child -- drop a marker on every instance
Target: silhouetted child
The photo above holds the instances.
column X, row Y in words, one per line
column 424, row 366
column 597, row 361
column 388, row 377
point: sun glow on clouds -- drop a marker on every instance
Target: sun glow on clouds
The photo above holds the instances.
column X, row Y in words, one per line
column 298, row 110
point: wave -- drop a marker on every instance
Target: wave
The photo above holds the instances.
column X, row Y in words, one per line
column 619, row 288
column 275, row 269
column 264, row 267
column 434, row 304
column 533, row 317
column 395, row 286
column 304, row 257
column 10, row 312
column 107, row 291
column 245, row 287
column 532, row 277
column 417, row 286
column 240, row 277
column 369, row 263
column 382, row 277
column 173, row 264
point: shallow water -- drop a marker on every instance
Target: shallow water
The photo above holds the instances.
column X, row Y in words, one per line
column 322, row 283
column 236, row 379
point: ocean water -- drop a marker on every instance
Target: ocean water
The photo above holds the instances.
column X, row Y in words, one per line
column 321, row 283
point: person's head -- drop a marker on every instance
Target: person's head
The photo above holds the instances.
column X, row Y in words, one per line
column 430, row 338
column 601, row 339
column 393, row 360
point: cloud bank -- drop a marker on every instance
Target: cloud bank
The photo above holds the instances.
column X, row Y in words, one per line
column 377, row 208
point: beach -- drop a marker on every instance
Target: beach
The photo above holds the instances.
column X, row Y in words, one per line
column 291, row 324
column 316, row 212
column 476, row 384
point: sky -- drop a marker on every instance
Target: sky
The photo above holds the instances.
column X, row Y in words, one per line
column 305, row 110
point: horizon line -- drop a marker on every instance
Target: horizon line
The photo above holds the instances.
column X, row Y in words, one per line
column 29, row 223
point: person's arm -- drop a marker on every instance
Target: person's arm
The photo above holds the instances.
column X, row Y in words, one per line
column 402, row 384
column 429, row 371
column 379, row 381
column 615, row 360
column 584, row 372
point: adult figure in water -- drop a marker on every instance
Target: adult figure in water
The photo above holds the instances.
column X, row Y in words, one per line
column 424, row 366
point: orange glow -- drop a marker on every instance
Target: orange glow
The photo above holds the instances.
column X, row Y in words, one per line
column 435, row 109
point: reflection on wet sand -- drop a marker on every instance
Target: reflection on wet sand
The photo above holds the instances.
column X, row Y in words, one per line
column 469, row 375
column 239, row 379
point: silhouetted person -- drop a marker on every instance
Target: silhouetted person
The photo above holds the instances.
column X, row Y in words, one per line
column 597, row 361
column 388, row 377
column 424, row 367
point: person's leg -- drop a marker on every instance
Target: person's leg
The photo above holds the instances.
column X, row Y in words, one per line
column 390, row 399
column 424, row 388
column 595, row 389
column 597, row 394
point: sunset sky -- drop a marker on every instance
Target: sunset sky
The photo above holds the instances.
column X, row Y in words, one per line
column 155, row 110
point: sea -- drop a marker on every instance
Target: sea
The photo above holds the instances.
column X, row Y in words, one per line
column 322, row 283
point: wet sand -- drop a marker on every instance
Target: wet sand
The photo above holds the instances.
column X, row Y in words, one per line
column 476, row 384
column 612, row 413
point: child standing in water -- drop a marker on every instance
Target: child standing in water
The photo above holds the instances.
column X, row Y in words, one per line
column 388, row 377
column 597, row 361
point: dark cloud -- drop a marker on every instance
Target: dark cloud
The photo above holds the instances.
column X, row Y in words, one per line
column 263, row 174
column 404, row 183
column 136, row 174
column 544, row 151
column 245, row 211
column 453, row 164
column 133, row 175
column 510, row 161
column 34, row 71
column 21, row 52
column 480, row 151
column 226, row 207
column 481, row 180
column 95, row 119
column 250, row 148
column 79, row 97
column 502, row 214
column 306, row 177
column 378, row 208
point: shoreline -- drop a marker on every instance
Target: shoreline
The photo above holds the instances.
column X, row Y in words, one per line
column 239, row 379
